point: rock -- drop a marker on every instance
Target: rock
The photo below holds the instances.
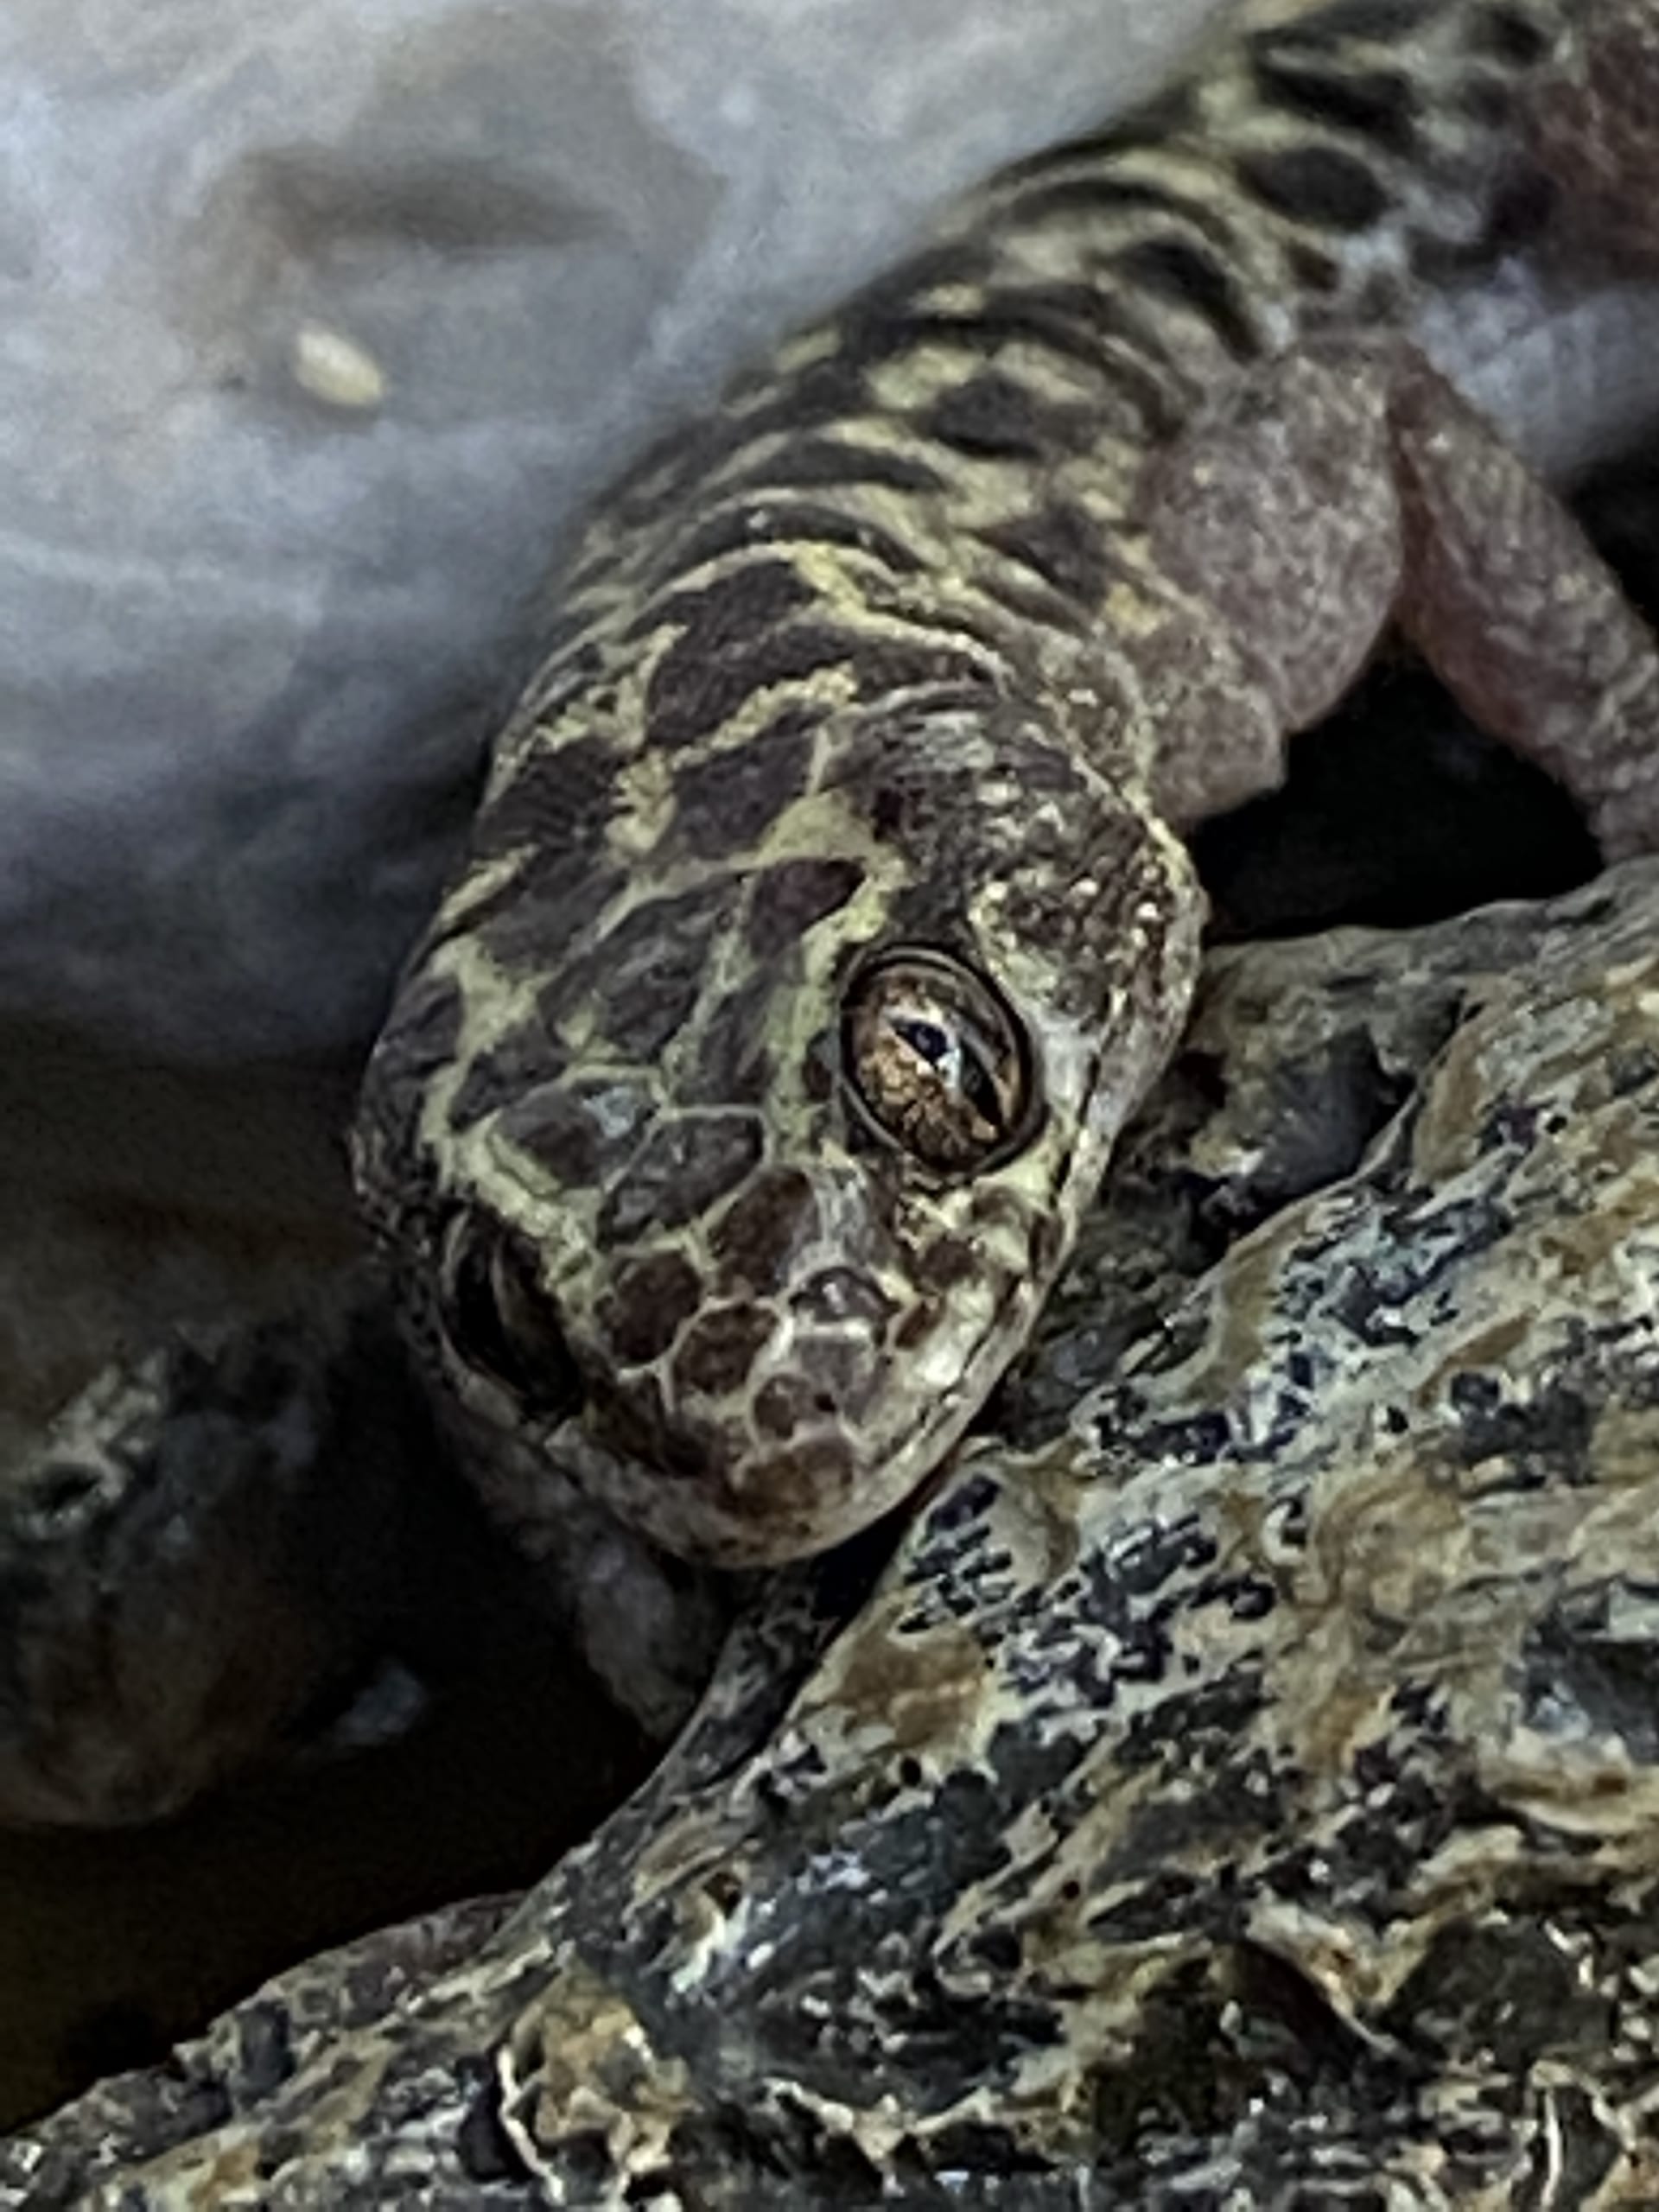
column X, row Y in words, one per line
column 1238, row 1785
column 320, row 316
column 206, row 1543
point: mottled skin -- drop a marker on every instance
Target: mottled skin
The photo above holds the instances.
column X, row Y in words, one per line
column 930, row 640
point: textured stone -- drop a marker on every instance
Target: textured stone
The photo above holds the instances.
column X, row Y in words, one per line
column 1239, row 1781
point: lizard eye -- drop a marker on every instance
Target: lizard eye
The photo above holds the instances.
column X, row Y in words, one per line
column 937, row 1058
column 498, row 1320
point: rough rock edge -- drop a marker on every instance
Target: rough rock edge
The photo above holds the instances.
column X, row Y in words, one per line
column 1244, row 1776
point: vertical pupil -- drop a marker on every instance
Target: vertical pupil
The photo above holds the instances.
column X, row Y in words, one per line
column 979, row 1088
column 925, row 1037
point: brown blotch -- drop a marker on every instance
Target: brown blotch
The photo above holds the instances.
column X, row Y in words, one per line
column 721, row 1348
column 990, row 415
column 1322, row 186
column 820, row 1071
column 644, row 1314
column 1062, row 544
column 789, row 898
column 995, row 1203
column 681, row 1168
column 753, row 1239
column 840, row 1294
column 725, row 803
column 647, row 972
column 800, row 1480
column 821, row 396
column 419, row 1039
column 790, row 1403
column 945, row 1263
column 1189, row 273
column 915, row 799
column 699, row 703
column 524, row 1060
column 714, row 618
column 1509, row 36
column 778, row 1406
column 883, row 666
column 1381, row 104
column 633, row 1422
column 917, row 1323
column 733, row 1065
column 1046, row 1237
column 561, row 799
column 1145, row 377
column 840, row 1373
column 735, row 639
column 422, row 1033
column 530, row 923
column 580, row 1134
column 1486, row 102
column 1313, row 270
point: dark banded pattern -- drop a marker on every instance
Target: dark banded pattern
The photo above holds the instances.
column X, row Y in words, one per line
column 879, row 653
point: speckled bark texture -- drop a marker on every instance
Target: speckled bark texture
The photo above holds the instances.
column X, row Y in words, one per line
column 1240, row 1787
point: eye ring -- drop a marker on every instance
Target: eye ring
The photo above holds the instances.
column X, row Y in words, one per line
column 499, row 1322
column 938, row 1060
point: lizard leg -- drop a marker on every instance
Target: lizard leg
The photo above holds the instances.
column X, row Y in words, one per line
column 1273, row 524
column 1343, row 487
column 1520, row 617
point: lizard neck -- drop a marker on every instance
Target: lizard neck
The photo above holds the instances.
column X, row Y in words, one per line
column 1324, row 164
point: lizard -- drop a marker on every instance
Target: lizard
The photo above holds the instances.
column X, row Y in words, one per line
column 827, row 909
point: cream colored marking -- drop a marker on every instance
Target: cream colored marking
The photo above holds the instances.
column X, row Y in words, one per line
column 645, row 806
column 915, row 380
column 482, row 884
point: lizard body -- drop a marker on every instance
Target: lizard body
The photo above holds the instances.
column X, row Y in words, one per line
column 826, row 911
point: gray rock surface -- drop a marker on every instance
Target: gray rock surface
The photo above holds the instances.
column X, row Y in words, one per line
column 1238, row 1786
column 206, row 1543
column 320, row 316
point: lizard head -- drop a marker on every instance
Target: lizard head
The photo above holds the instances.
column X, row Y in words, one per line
column 729, row 1132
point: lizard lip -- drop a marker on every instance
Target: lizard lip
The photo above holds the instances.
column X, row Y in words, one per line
column 743, row 1500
